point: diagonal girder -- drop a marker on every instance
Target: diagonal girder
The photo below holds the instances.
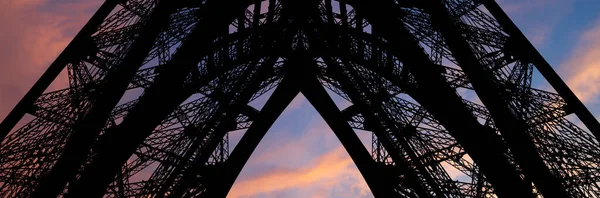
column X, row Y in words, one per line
column 86, row 130
column 106, row 165
column 512, row 128
column 493, row 91
column 56, row 67
column 547, row 124
column 416, row 172
column 544, row 67
column 84, row 76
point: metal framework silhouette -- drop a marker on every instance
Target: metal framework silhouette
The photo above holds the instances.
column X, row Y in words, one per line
column 403, row 64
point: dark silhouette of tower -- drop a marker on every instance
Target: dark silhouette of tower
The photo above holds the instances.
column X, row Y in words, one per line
column 200, row 62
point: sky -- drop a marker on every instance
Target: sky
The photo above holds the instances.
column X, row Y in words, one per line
column 299, row 156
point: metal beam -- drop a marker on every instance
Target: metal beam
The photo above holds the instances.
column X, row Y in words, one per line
column 544, row 68
column 89, row 127
column 279, row 100
column 513, row 129
column 432, row 86
column 377, row 179
column 152, row 108
column 369, row 113
column 231, row 109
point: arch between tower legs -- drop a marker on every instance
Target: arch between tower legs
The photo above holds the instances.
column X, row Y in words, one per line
column 484, row 146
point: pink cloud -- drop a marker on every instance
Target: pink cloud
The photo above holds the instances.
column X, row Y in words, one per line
column 582, row 68
column 34, row 33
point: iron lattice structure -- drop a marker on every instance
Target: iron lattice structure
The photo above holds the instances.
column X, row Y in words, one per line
column 403, row 64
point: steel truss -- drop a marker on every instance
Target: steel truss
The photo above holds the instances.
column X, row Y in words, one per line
column 403, row 65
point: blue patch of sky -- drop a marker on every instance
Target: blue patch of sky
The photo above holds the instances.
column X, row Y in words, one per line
column 563, row 23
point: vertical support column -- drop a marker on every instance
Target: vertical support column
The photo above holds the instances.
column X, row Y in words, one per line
column 544, row 67
column 76, row 45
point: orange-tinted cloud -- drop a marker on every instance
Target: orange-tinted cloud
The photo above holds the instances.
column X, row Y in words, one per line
column 33, row 33
column 312, row 165
column 327, row 171
column 582, row 68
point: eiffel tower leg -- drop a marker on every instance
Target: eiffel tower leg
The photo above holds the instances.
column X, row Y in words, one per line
column 485, row 147
column 86, row 130
column 513, row 129
column 496, row 167
column 107, row 162
column 77, row 45
column 149, row 111
column 459, row 121
column 528, row 50
column 482, row 144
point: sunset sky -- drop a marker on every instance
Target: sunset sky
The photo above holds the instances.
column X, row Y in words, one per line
column 300, row 156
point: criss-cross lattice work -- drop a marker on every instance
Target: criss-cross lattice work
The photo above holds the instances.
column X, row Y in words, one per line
column 403, row 64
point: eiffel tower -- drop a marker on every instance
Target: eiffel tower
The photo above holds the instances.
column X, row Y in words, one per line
column 199, row 63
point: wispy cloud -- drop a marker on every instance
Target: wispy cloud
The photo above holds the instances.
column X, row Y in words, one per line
column 537, row 18
column 33, row 33
column 582, row 68
column 326, row 172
